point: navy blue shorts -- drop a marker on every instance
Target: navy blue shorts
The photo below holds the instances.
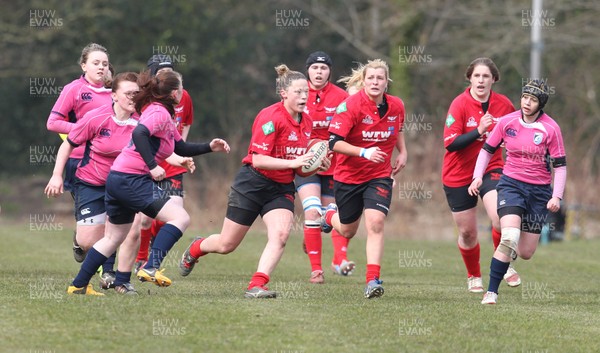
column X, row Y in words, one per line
column 459, row 198
column 351, row 199
column 89, row 200
column 127, row 194
column 253, row 194
column 69, row 181
column 526, row 200
column 171, row 186
column 325, row 181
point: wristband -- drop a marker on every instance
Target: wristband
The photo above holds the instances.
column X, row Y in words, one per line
column 362, row 152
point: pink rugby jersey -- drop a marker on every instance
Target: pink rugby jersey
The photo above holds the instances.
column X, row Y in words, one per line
column 76, row 99
column 163, row 134
column 103, row 137
column 527, row 147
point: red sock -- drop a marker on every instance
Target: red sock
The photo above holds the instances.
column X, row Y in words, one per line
column 195, row 250
column 471, row 260
column 496, row 236
column 156, row 226
column 373, row 271
column 145, row 235
column 259, row 279
column 340, row 247
column 328, row 217
column 314, row 246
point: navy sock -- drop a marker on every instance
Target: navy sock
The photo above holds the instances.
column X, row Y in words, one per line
column 109, row 264
column 164, row 241
column 497, row 271
column 92, row 261
column 122, row 278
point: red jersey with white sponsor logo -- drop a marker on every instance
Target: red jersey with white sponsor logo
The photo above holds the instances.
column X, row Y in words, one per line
column 184, row 116
column 76, row 99
column 103, row 137
column 321, row 106
column 527, row 147
column 358, row 122
column 463, row 116
column 275, row 133
column 163, row 134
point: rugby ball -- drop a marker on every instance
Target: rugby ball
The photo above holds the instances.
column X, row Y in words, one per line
column 319, row 148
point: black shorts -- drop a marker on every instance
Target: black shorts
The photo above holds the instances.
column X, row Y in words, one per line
column 127, row 194
column 69, row 181
column 526, row 200
column 253, row 194
column 171, row 186
column 459, row 198
column 351, row 199
column 326, row 182
column 89, row 200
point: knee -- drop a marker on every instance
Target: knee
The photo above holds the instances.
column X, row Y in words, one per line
column 348, row 233
column 467, row 233
column 509, row 242
column 527, row 254
column 279, row 239
column 146, row 222
column 185, row 220
column 182, row 221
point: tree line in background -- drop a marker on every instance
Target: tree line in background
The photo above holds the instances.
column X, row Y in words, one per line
column 226, row 51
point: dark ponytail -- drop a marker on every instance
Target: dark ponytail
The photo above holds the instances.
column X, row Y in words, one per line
column 157, row 89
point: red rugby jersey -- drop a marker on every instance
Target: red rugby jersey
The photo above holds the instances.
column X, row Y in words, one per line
column 358, row 122
column 275, row 133
column 463, row 116
column 321, row 106
column 184, row 116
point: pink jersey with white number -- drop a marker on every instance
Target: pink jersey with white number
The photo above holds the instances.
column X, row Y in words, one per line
column 163, row 134
column 103, row 137
column 528, row 146
column 76, row 99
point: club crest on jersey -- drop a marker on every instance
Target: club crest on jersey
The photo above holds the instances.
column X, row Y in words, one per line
column 293, row 136
column 538, row 137
column 367, row 120
column 471, row 122
column 341, row 108
column 450, row 120
column 268, row 128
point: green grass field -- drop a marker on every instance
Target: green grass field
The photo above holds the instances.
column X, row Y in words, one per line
column 426, row 307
